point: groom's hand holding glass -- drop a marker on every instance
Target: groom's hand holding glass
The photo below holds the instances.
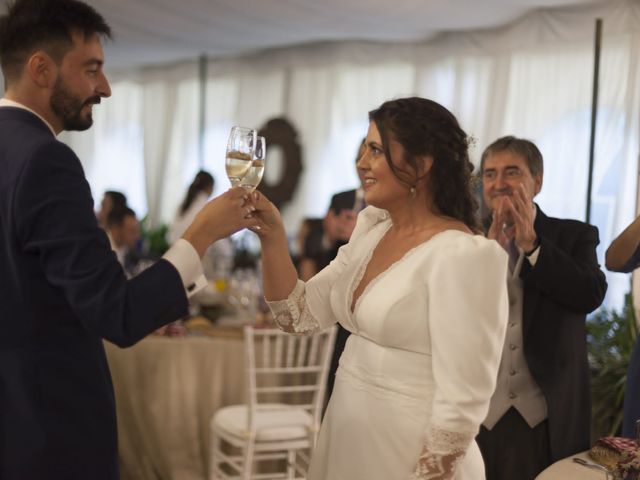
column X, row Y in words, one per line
column 221, row 217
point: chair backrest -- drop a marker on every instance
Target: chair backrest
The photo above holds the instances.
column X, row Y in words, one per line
column 286, row 368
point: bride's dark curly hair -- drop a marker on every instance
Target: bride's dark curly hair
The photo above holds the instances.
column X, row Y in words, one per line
column 425, row 128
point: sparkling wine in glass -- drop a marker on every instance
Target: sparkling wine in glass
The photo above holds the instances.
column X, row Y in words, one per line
column 253, row 176
column 240, row 150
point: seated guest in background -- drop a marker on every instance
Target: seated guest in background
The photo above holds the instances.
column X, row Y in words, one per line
column 196, row 197
column 62, row 291
column 623, row 255
column 110, row 200
column 123, row 230
column 321, row 244
column 309, row 226
column 541, row 409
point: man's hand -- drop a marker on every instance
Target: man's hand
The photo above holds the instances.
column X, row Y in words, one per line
column 501, row 229
column 521, row 210
column 514, row 219
column 226, row 214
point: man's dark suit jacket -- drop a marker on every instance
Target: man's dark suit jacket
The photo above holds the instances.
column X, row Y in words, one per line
column 62, row 291
column 565, row 285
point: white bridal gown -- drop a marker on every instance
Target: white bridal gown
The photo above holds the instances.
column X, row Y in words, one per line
column 421, row 363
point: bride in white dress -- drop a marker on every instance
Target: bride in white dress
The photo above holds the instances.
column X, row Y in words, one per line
column 424, row 298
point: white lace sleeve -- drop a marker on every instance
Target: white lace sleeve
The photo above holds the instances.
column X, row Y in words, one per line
column 292, row 314
column 440, row 455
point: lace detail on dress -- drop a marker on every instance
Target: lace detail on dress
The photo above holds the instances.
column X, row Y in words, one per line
column 445, row 441
column 292, row 314
column 441, row 454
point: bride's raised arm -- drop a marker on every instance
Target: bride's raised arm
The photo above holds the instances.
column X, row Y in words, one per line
column 298, row 307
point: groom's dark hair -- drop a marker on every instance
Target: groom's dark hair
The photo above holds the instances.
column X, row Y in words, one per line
column 48, row 25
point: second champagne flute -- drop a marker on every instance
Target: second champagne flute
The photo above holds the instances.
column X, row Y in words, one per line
column 254, row 175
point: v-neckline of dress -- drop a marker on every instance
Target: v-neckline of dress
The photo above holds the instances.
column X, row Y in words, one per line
column 362, row 268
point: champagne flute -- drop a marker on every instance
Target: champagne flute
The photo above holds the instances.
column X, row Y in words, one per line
column 254, row 175
column 240, row 149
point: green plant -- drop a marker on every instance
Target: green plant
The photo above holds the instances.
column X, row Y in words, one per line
column 154, row 240
column 610, row 340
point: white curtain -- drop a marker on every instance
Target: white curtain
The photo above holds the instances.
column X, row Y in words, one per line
column 532, row 79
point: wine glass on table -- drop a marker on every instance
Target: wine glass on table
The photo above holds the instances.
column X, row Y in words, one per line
column 253, row 176
column 240, row 150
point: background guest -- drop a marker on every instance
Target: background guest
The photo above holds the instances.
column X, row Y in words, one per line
column 123, row 230
column 111, row 199
column 309, row 226
column 623, row 255
column 541, row 410
column 196, row 197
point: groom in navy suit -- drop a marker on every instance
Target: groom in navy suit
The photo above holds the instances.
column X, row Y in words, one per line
column 62, row 289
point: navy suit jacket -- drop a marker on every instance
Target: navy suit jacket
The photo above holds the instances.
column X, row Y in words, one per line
column 62, row 291
column 565, row 285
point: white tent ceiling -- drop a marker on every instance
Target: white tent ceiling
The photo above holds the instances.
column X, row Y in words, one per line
column 160, row 31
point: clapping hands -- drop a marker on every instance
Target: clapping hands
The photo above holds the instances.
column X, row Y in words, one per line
column 513, row 219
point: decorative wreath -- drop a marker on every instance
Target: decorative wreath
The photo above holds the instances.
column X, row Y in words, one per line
column 278, row 131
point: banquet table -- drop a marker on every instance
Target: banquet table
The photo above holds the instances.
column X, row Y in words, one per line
column 567, row 469
column 166, row 391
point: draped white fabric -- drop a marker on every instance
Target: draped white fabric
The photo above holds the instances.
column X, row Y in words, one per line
column 532, row 79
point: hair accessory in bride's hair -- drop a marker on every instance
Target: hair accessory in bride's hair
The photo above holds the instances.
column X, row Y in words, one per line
column 471, row 141
column 474, row 180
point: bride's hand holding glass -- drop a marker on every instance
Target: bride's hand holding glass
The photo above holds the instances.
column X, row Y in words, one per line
column 266, row 215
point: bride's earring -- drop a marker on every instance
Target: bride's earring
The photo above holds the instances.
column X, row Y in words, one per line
column 412, row 191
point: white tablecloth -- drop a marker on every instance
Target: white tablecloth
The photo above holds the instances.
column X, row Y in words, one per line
column 166, row 390
column 567, row 469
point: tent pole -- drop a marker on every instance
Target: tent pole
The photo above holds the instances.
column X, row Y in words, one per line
column 202, row 107
column 594, row 112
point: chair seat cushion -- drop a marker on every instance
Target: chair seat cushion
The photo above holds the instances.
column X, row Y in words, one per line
column 273, row 422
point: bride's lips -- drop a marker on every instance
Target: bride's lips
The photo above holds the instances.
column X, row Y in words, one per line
column 368, row 182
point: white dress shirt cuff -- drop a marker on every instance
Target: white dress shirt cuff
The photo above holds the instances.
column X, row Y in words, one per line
column 184, row 257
